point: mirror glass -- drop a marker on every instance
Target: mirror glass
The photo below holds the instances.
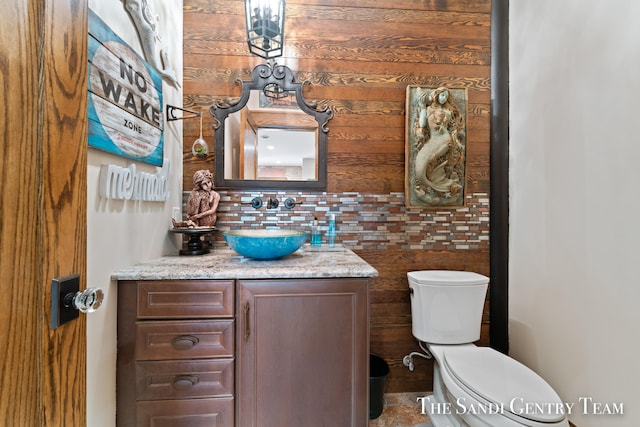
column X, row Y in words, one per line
column 270, row 137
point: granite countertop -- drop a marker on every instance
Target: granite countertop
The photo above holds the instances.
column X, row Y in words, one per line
column 223, row 263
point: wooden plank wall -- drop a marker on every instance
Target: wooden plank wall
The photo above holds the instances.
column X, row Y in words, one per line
column 360, row 56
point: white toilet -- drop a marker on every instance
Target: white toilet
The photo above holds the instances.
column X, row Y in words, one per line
column 473, row 386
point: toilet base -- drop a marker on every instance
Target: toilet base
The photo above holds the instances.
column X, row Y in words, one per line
column 437, row 418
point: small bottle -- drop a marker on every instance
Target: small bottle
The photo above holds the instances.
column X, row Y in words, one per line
column 316, row 237
column 331, row 232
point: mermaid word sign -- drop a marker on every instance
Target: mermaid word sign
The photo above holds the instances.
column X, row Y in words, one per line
column 125, row 98
column 435, row 146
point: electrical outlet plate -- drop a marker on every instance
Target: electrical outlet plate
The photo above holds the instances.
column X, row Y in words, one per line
column 61, row 287
column 175, row 213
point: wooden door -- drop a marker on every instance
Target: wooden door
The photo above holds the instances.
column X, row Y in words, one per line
column 302, row 353
column 43, row 168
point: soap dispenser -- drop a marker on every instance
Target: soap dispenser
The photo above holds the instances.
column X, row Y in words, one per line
column 316, row 237
column 331, row 231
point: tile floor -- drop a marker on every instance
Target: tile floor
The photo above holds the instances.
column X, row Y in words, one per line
column 401, row 410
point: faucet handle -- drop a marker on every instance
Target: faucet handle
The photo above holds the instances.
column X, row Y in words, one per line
column 256, row 203
column 290, row 203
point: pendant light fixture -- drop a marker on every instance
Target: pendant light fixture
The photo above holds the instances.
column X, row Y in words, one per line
column 265, row 27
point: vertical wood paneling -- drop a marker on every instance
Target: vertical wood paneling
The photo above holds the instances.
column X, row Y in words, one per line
column 360, row 56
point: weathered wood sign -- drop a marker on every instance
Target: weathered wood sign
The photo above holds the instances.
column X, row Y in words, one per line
column 125, row 98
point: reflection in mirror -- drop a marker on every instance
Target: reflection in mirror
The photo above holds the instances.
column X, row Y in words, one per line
column 270, row 137
column 288, row 155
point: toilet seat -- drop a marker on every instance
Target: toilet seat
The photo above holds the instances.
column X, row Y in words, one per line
column 492, row 377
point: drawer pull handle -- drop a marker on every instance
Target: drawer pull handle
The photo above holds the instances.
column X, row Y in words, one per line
column 247, row 327
column 185, row 342
column 184, row 382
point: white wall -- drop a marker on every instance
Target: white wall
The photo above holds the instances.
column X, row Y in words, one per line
column 574, row 232
column 121, row 233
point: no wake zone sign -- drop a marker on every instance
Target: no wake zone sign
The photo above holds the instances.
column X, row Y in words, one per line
column 125, row 98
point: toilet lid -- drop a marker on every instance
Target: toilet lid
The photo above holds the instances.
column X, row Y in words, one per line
column 447, row 278
column 505, row 382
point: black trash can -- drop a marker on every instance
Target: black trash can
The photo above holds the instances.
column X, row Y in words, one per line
column 378, row 372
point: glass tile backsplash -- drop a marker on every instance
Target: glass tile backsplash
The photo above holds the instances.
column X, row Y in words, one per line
column 364, row 221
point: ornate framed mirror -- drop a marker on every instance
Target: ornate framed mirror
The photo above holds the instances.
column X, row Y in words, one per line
column 271, row 137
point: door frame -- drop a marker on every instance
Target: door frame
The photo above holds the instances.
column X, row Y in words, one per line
column 499, row 178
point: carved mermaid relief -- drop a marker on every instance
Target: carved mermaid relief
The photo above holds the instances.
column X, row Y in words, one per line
column 438, row 140
column 145, row 21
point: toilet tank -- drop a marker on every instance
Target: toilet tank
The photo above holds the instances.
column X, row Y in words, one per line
column 446, row 306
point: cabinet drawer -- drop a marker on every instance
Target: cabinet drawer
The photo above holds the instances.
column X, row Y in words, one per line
column 184, row 379
column 160, row 340
column 186, row 413
column 185, row 299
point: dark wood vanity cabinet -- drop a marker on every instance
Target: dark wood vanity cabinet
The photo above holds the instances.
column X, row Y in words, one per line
column 245, row 353
column 176, row 346
column 302, row 353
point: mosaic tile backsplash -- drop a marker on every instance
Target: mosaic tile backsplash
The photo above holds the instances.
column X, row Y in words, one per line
column 363, row 221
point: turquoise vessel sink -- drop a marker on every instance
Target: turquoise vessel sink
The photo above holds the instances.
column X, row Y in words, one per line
column 265, row 244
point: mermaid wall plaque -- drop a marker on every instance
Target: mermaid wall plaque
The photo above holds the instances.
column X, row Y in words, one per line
column 435, row 146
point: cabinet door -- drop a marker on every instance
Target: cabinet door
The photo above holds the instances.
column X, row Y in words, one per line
column 303, row 353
